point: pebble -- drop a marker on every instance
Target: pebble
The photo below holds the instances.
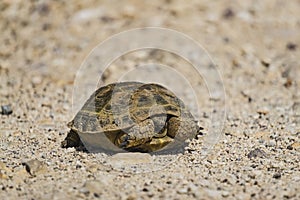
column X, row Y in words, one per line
column 131, row 197
column 87, row 14
column 6, row 109
column 3, row 176
column 245, row 16
column 272, row 143
column 36, row 80
column 256, row 153
column 257, row 173
column 225, row 194
column 289, row 147
column 70, row 150
column 93, row 168
column 263, row 111
column 129, row 11
column 4, row 145
column 262, row 135
column 3, row 167
column 266, row 62
column 228, row 13
column 34, row 166
column 182, row 190
column 214, row 194
column 3, row 171
column 194, row 190
column 291, row 46
column 296, row 145
column 277, row 175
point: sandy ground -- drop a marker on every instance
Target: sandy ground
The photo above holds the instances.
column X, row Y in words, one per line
column 255, row 45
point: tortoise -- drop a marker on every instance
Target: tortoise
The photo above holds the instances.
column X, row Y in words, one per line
column 131, row 116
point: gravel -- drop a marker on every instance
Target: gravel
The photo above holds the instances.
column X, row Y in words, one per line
column 256, row 49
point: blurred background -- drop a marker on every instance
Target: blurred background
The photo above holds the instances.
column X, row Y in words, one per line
column 45, row 42
column 255, row 45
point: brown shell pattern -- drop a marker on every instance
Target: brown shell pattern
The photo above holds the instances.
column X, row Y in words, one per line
column 122, row 105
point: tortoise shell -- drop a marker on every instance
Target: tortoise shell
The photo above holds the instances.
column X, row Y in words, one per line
column 125, row 109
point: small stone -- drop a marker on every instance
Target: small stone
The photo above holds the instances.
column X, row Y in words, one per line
column 289, row 147
column 288, row 83
column 272, row 143
column 182, row 191
column 131, row 197
column 3, row 167
column 213, row 194
column 43, row 9
column 291, row 46
column 3, row 176
column 93, row 168
column 33, row 166
column 296, row 108
column 84, row 15
column 6, row 110
column 277, row 175
column 107, row 19
column 245, row 16
column 225, row 194
column 256, row 153
column 266, row 62
column 36, row 80
column 70, row 150
column 129, row 11
column 194, row 190
column 3, row 171
column 296, row 145
column 257, row 173
column 262, row 112
column 262, row 135
column 228, row 13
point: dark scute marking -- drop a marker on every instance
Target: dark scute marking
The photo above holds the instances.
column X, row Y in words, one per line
column 140, row 114
column 126, row 119
column 98, row 100
column 118, row 122
column 104, row 121
column 144, row 100
column 108, row 107
column 171, row 108
column 160, row 100
column 168, row 94
column 147, row 87
column 92, row 125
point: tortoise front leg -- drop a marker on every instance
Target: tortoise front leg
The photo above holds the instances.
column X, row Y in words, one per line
column 136, row 135
column 180, row 131
column 72, row 140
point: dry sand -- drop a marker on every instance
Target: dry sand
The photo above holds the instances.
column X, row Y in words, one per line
column 256, row 46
